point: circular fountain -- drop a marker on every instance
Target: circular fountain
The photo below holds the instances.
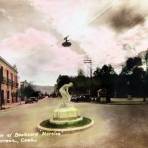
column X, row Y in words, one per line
column 66, row 118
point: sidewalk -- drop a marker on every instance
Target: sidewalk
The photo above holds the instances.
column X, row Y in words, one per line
column 128, row 101
column 12, row 105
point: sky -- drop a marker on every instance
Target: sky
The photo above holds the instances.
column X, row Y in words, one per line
column 107, row 31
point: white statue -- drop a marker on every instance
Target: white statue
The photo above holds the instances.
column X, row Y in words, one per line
column 66, row 97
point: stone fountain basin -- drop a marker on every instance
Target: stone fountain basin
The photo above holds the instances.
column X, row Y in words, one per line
column 65, row 119
column 69, row 127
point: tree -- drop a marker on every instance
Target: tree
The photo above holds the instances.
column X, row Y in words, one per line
column 96, row 81
column 146, row 60
column 106, row 73
column 131, row 63
column 107, row 78
column 81, row 83
column 132, row 77
column 97, row 72
column 146, row 85
column 137, row 82
column 80, row 73
column 121, row 86
column 28, row 91
column 62, row 79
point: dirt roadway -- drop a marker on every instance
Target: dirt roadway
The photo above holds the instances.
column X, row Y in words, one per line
column 116, row 126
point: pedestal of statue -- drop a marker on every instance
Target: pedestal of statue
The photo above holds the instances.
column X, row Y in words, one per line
column 65, row 114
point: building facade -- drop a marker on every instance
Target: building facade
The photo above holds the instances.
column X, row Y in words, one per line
column 8, row 82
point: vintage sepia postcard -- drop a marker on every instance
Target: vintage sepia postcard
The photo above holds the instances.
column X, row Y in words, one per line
column 73, row 74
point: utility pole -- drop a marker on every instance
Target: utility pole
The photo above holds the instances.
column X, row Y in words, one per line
column 88, row 61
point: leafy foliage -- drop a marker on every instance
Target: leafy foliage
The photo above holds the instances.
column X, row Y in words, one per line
column 28, row 91
column 132, row 80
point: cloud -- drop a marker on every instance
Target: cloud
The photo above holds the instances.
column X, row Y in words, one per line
column 37, row 52
column 17, row 15
column 126, row 18
column 31, row 33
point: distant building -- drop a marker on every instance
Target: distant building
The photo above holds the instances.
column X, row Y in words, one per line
column 24, row 84
column 44, row 89
column 41, row 89
column 8, row 82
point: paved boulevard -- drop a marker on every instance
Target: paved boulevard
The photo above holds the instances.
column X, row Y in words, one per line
column 116, row 126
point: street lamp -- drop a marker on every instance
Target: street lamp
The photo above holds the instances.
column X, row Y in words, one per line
column 66, row 42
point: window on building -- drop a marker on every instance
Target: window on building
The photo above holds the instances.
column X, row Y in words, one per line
column 8, row 95
column 7, row 74
column 2, row 70
column 2, row 96
column 7, row 78
column 11, row 80
column 11, row 76
column 1, row 74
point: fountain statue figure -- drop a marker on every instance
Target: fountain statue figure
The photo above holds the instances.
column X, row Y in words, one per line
column 66, row 97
